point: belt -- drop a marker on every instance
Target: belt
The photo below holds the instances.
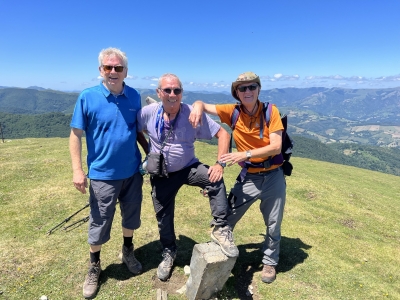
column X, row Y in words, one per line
column 267, row 171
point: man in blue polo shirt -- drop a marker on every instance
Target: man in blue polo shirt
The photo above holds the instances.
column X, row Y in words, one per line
column 107, row 115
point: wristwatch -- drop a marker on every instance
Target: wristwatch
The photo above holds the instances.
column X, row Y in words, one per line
column 222, row 164
column 248, row 154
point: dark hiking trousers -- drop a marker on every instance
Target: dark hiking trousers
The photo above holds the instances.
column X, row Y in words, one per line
column 164, row 191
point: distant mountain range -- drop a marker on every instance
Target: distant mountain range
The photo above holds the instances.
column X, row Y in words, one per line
column 361, row 116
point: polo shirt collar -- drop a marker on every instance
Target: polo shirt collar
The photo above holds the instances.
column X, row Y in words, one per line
column 107, row 93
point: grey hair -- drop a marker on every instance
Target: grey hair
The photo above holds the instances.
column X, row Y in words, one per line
column 169, row 75
column 113, row 52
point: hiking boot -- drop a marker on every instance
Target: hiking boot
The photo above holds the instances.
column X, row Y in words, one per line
column 223, row 236
column 164, row 268
column 268, row 274
column 92, row 280
column 128, row 258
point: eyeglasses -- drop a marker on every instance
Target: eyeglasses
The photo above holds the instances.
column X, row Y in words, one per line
column 117, row 69
column 250, row 87
column 169, row 91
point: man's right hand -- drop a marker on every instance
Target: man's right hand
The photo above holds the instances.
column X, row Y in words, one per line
column 80, row 181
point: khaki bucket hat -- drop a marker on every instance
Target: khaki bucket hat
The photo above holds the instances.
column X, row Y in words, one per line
column 245, row 77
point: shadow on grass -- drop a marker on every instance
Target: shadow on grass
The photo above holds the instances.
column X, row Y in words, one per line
column 250, row 261
column 150, row 256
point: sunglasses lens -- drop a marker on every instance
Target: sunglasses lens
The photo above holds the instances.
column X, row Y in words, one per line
column 169, row 91
column 107, row 69
column 250, row 87
column 118, row 69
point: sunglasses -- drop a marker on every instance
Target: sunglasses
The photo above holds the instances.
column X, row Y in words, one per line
column 169, row 91
column 117, row 69
column 252, row 87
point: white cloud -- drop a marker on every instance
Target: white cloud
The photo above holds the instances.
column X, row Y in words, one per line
column 152, row 78
column 389, row 78
column 280, row 77
column 338, row 77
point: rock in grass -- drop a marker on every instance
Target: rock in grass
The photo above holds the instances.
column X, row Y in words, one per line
column 186, row 269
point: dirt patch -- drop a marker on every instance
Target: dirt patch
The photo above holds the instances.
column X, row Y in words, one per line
column 311, row 195
column 174, row 283
column 350, row 223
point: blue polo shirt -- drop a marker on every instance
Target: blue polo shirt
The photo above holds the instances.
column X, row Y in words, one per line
column 109, row 123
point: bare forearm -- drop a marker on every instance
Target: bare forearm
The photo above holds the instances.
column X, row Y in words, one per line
column 223, row 142
column 207, row 108
column 272, row 149
column 141, row 139
column 75, row 149
column 265, row 151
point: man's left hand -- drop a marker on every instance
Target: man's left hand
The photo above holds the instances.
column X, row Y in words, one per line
column 215, row 172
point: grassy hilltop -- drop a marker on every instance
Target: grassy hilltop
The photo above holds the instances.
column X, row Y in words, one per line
column 341, row 233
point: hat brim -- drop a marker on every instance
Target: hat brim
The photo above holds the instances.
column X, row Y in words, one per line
column 235, row 84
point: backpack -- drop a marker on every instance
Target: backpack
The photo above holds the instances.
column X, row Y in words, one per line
column 287, row 142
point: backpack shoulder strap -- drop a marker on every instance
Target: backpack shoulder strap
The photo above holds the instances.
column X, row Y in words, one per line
column 267, row 109
column 234, row 119
column 235, row 116
column 265, row 116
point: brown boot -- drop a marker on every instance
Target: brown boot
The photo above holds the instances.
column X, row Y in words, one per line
column 268, row 274
column 92, row 280
column 223, row 236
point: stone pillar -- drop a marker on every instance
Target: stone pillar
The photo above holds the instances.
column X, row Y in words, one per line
column 210, row 268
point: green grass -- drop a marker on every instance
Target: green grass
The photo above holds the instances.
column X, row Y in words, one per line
column 341, row 233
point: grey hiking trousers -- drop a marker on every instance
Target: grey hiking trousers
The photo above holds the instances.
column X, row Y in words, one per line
column 270, row 188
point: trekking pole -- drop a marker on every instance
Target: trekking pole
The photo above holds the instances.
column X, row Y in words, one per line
column 83, row 220
column 66, row 220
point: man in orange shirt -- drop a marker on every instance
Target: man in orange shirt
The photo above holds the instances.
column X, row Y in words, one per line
column 257, row 144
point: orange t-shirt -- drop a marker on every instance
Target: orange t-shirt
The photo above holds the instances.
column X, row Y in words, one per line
column 247, row 130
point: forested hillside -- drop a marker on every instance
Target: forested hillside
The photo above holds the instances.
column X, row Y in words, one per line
column 32, row 101
column 375, row 158
column 16, row 126
column 363, row 116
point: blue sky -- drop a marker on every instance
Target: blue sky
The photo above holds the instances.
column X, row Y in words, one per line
column 347, row 43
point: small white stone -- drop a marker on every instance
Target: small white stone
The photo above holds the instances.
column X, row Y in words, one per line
column 182, row 290
column 186, row 269
column 43, row 297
